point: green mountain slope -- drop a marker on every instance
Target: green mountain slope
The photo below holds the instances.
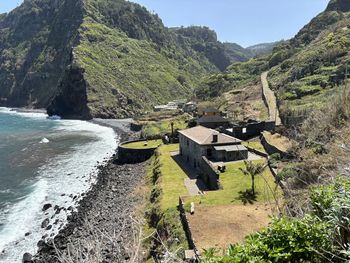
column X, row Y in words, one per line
column 312, row 66
column 101, row 58
column 262, row 49
column 304, row 71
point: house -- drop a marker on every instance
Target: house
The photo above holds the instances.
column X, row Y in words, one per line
column 199, row 142
column 250, row 129
column 211, row 112
column 190, row 106
column 211, row 118
column 213, row 121
column 172, row 105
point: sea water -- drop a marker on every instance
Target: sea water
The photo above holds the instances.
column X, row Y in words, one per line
column 43, row 161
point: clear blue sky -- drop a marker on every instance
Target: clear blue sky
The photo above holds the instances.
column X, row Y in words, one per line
column 245, row 22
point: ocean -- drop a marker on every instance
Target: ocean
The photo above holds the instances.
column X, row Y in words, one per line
column 43, row 162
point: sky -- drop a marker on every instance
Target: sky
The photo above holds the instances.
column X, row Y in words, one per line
column 246, row 22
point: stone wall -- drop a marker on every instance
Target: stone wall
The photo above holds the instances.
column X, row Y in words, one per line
column 209, row 174
column 257, row 152
column 131, row 156
column 251, row 129
column 271, row 149
column 187, row 229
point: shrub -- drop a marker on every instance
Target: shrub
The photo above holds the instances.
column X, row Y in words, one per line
column 287, row 172
column 274, row 159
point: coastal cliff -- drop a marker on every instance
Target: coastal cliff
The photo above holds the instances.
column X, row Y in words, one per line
column 101, row 58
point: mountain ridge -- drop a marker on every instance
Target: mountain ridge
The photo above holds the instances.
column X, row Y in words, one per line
column 51, row 63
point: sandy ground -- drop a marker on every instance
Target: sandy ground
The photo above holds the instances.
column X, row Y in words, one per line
column 220, row 226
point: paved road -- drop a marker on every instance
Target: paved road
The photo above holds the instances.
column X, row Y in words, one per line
column 270, row 100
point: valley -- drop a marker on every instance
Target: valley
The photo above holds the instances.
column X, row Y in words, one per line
column 236, row 154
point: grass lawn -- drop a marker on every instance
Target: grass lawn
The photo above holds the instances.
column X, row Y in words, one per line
column 144, row 144
column 255, row 145
column 164, row 126
column 235, row 184
column 172, row 180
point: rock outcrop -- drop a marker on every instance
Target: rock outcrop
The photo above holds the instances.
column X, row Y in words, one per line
column 339, row 5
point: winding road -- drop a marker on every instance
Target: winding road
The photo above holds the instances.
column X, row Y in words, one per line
column 270, row 100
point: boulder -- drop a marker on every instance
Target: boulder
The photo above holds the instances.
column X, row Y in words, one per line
column 45, row 223
column 27, row 258
column 46, row 206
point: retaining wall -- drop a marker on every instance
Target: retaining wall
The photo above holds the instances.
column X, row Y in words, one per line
column 209, row 174
column 132, row 156
column 270, row 149
column 187, row 229
column 257, row 152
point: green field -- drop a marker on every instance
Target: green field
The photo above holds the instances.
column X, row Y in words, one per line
column 143, row 144
column 164, row 127
column 255, row 145
column 235, row 185
column 233, row 182
column 172, row 180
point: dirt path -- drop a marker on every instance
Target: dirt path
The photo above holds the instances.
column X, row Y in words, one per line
column 270, row 99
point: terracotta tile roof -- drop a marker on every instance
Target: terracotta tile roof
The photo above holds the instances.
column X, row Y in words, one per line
column 204, row 136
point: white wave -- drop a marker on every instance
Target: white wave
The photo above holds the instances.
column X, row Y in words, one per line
column 35, row 115
column 44, row 140
column 20, row 220
column 69, row 174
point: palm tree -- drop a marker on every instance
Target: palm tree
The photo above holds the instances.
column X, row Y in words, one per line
column 253, row 170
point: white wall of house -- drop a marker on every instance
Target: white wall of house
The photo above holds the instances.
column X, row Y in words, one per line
column 191, row 151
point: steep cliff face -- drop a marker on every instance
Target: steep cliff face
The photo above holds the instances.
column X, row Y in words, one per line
column 35, row 45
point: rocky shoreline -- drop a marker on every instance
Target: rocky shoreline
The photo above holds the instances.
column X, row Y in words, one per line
column 105, row 226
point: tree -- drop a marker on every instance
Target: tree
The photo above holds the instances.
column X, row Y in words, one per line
column 253, row 170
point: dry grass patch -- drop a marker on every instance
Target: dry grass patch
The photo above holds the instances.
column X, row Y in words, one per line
column 246, row 103
column 220, row 226
column 280, row 142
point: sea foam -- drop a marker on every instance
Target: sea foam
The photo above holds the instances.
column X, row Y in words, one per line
column 66, row 175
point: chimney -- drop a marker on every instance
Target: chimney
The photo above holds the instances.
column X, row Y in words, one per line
column 215, row 138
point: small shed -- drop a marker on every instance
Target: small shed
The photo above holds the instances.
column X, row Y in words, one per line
column 213, row 121
column 228, row 153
